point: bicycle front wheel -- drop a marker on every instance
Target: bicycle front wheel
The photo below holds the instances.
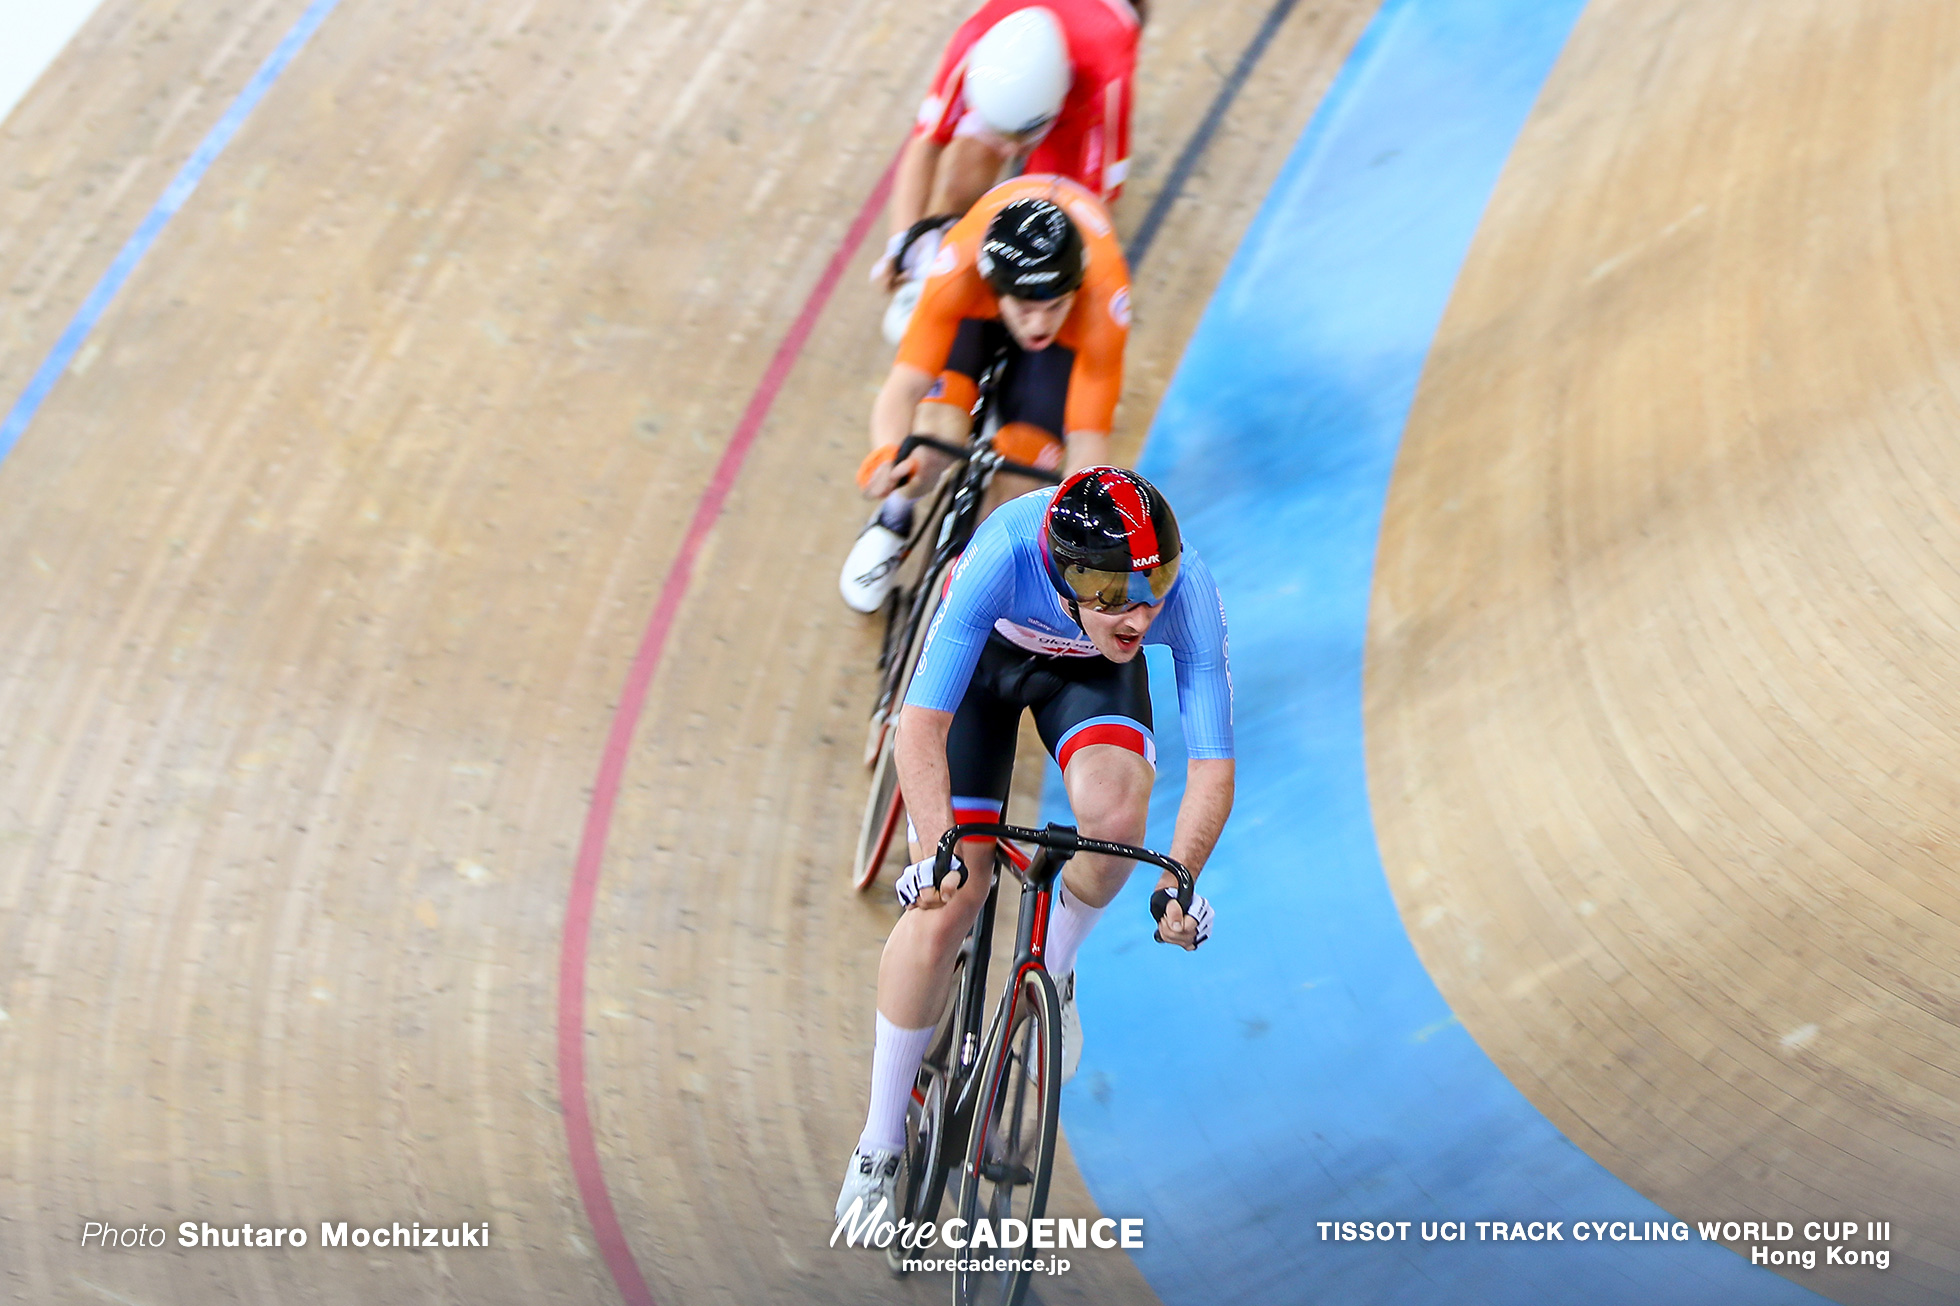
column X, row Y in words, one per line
column 1010, row 1154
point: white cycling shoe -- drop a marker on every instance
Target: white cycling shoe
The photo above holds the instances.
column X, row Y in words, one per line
column 1071, row 1028
column 871, row 567
column 870, row 1178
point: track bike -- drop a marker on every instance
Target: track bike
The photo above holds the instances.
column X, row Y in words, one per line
column 992, row 1089
column 949, row 517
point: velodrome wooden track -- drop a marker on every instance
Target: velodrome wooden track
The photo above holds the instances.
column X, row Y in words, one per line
column 1660, row 692
column 323, row 569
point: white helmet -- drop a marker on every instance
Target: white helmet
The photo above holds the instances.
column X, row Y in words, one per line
column 1019, row 72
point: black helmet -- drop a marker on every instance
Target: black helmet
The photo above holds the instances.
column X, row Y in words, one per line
column 1110, row 539
column 1032, row 251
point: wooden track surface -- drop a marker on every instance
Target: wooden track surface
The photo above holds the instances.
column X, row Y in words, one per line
column 325, row 565
column 1659, row 692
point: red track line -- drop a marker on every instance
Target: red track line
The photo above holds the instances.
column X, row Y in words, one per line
column 612, row 766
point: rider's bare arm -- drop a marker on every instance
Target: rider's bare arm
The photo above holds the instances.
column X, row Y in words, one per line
column 892, row 419
column 1086, row 449
column 1208, row 783
column 911, row 187
column 1096, row 380
column 943, row 304
column 967, row 170
column 925, row 780
column 898, row 399
column 1208, row 789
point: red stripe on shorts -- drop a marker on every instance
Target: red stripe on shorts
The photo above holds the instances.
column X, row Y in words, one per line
column 1109, row 732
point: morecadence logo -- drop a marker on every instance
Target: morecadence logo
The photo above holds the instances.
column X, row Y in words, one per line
column 873, row 1227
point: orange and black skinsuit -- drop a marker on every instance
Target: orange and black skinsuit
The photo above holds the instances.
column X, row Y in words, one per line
column 1073, row 383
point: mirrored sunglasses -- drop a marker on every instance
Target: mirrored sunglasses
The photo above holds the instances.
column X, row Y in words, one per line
column 1113, row 591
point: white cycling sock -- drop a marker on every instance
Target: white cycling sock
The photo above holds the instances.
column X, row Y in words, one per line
column 1067, row 927
column 894, row 1069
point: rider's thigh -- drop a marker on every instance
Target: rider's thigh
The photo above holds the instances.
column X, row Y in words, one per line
column 1109, row 791
column 1094, row 717
column 968, row 168
column 1004, row 487
column 946, row 412
column 942, row 422
column 980, row 741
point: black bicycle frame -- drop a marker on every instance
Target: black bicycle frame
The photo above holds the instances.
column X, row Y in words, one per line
column 1055, row 845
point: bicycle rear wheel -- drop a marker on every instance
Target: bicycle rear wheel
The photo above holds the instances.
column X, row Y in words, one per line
column 1010, row 1153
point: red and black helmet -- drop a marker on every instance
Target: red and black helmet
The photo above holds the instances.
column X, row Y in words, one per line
column 1110, row 539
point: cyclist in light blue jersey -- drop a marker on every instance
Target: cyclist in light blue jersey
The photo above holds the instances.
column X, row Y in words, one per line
column 1048, row 611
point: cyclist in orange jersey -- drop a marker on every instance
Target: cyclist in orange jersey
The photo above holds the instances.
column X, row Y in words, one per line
column 1033, row 271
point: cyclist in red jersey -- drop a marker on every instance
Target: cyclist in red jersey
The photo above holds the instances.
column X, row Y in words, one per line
column 1051, row 81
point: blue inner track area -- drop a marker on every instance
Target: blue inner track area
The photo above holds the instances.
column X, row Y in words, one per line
column 1302, row 1066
